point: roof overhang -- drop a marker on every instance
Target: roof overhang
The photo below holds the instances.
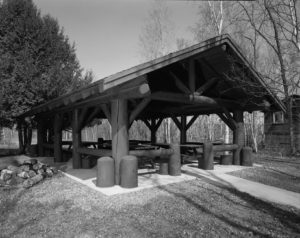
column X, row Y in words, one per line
column 213, row 58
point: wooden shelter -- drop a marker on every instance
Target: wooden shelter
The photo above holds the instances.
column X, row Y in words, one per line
column 210, row 77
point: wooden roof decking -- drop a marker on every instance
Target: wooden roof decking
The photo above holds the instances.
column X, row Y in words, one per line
column 222, row 77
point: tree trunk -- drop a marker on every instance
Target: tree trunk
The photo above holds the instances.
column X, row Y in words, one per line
column 1, row 134
column 254, row 132
column 227, row 139
column 20, row 135
column 291, row 128
column 29, row 135
column 283, row 78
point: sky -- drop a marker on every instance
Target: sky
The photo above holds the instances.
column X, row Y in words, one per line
column 106, row 32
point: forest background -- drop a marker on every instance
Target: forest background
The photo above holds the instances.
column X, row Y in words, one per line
column 267, row 33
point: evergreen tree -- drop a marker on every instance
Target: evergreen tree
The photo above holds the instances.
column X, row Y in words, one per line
column 37, row 61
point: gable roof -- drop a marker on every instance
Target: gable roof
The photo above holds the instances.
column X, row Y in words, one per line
column 210, row 49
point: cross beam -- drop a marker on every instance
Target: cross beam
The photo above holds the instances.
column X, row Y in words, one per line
column 193, row 99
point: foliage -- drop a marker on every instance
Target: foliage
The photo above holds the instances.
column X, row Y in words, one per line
column 156, row 35
column 277, row 25
column 155, row 41
column 37, row 61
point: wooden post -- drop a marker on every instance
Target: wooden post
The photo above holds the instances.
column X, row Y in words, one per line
column 50, row 134
column 57, row 138
column 153, row 126
column 246, row 156
column 120, row 143
column 238, row 136
column 105, row 172
column 174, row 166
column 41, row 136
column 183, row 130
column 153, row 131
column 207, row 162
column 76, row 137
column 153, row 136
column 129, row 171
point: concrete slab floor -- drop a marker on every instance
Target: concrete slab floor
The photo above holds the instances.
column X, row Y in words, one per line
column 147, row 178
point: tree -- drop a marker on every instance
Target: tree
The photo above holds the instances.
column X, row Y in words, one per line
column 155, row 41
column 37, row 61
column 277, row 24
column 212, row 22
column 156, row 35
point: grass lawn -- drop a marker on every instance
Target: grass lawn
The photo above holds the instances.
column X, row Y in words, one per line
column 281, row 172
column 60, row 207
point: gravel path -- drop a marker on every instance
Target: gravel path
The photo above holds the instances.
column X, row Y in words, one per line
column 60, row 207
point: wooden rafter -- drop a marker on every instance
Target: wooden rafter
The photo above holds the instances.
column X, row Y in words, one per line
column 147, row 123
column 193, row 119
column 140, row 72
column 157, row 124
column 123, row 92
column 153, row 124
column 139, row 108
column 92, row 115
column 82, row 116
column 206, row 86
column 228, row 122
column 192, row 99
column 192, row 75
column 227, row 113
column 179, row 84
column 177, row 122
column 211, row 67
column 106, row 111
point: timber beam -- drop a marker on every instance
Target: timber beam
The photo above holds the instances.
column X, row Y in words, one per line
column 183, row 126
column 82, row 115
column 139, row 108
column 158, row 123
column 183, row 130
column 106, row 111
column 192, row 75
column 139, row 91
column 230, row 123
column 227, row 118
column 180, row 85
column 131, row 91
column 92, row 115
column 76, row 138
column 153, row 126
column 193, row 119
column 120, row 140
column 206, row 86
column 177, row 122
column 193, row 99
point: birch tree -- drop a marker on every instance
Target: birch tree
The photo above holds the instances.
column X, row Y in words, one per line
column 155, row 41
column 212, row 22
column 276, row 23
